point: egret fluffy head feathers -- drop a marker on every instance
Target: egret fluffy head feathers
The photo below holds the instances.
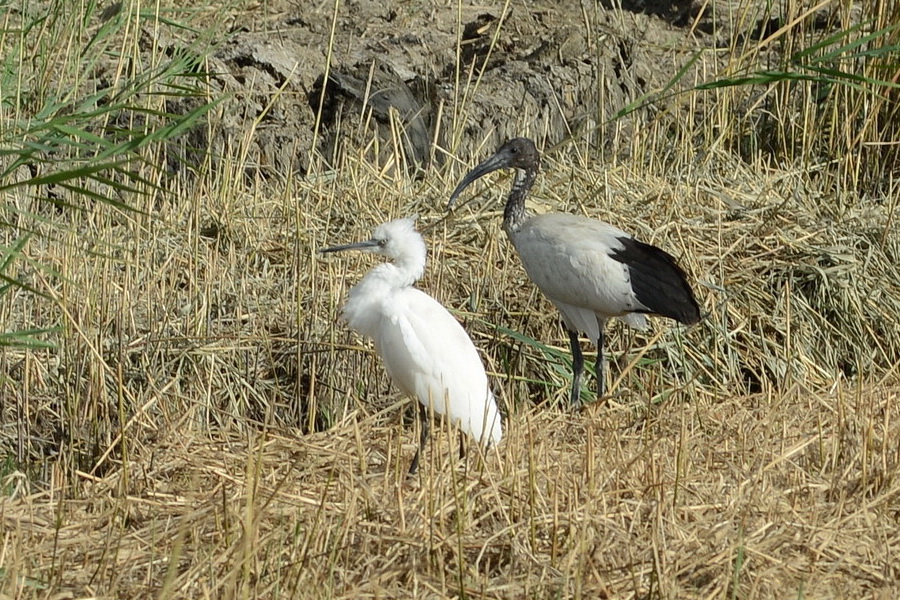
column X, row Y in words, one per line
column 396, row 240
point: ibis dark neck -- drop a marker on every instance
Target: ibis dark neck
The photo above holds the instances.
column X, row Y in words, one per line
column 514, row 213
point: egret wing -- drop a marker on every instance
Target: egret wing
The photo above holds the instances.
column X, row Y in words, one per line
column 430, row 357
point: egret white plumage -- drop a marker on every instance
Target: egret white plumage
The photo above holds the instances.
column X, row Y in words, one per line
column 590, row 270
column 426, row 352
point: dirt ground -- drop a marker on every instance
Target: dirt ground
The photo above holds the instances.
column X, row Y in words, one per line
column 553, row 68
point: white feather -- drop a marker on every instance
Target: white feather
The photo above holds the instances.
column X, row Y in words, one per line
column 568, row 258
column 426, row 352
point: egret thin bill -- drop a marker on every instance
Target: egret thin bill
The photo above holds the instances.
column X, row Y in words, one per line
column 353, row 246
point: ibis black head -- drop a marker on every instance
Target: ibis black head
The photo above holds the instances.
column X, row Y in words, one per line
column 517, row 153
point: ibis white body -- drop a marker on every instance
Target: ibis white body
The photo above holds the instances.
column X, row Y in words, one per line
column 558, row 250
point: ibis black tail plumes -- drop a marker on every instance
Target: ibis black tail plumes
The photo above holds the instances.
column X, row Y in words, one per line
column 657, row 281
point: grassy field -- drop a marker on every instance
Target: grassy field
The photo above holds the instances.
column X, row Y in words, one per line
column 183, row 415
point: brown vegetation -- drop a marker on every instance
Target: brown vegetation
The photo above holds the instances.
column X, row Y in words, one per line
column 204, row 427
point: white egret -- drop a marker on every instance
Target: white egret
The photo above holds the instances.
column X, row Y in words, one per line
column 590, row 270
column 426, row 352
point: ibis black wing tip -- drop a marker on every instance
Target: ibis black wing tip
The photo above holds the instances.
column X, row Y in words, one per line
column 693, row 315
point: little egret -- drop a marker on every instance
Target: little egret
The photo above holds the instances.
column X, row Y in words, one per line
column 590, row 270
column 426, row 352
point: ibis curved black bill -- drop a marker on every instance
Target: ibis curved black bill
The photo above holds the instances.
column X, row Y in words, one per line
column 498, row 161
column 517, row 153
column 366, row 245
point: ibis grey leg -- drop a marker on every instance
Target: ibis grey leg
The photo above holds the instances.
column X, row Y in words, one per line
column 423, row 436
column 601, row 372
column 577, row 367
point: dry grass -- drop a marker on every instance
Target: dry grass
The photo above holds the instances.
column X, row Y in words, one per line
column 768, row 496
column 206, row 428
column 685, row 486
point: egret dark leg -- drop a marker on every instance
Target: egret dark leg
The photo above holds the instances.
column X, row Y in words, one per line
column 601, row 372
column 423, row 436
column 462, row 446
column 577, row 367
